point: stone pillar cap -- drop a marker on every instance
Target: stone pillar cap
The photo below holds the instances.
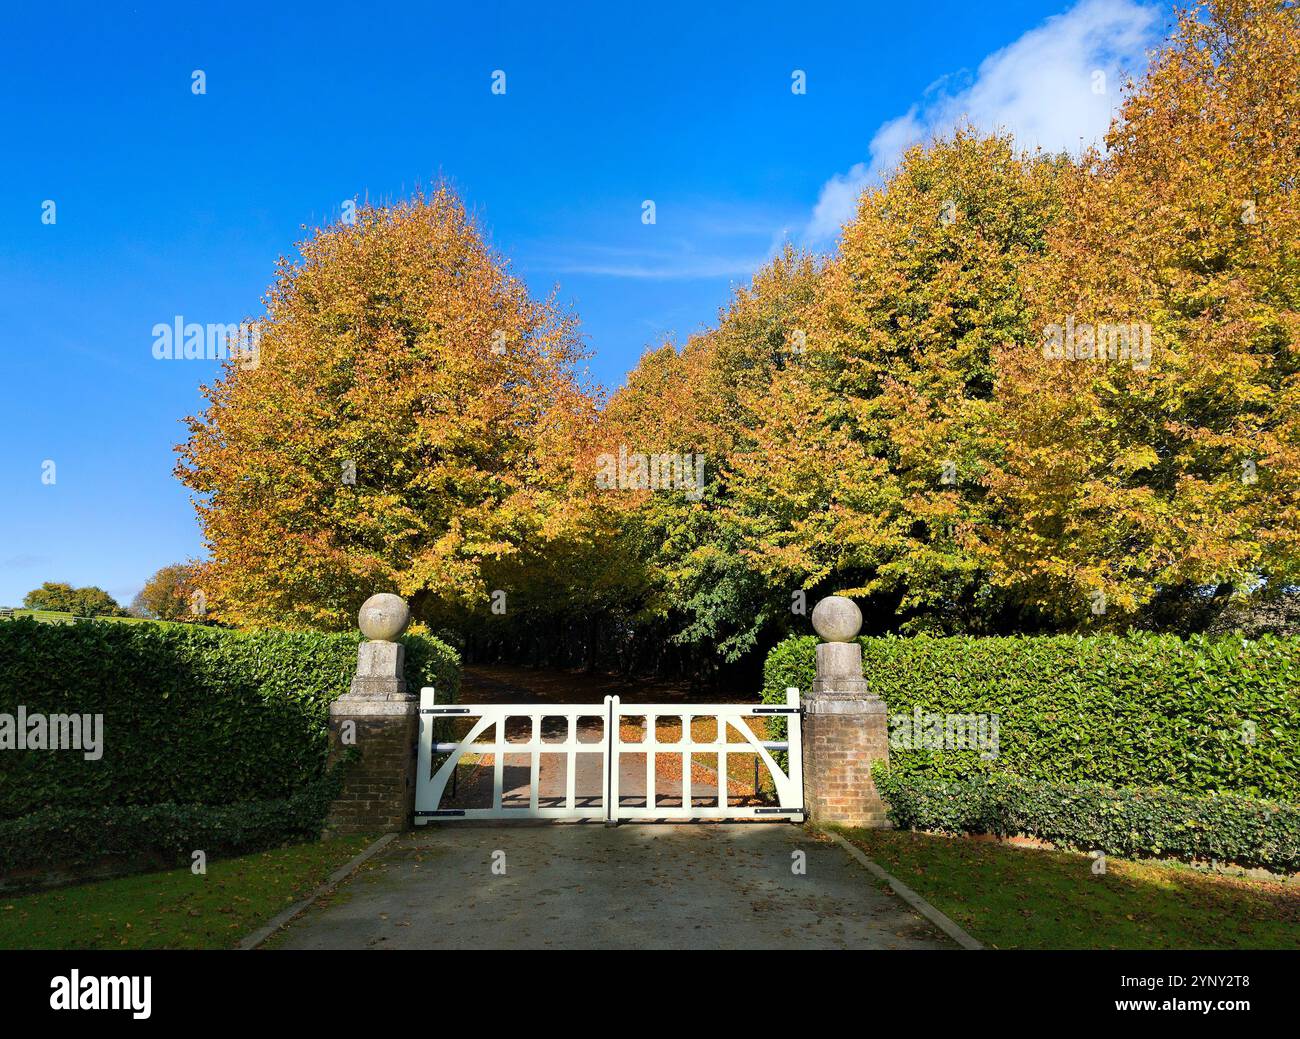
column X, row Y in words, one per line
column 837, row 619
column 383, row 617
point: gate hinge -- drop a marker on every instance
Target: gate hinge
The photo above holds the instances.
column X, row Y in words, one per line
column 778, row 811
column 776, row 710
column 444, row 710
column 440, row 811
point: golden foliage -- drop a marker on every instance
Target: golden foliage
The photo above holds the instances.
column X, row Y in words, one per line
column 409, row 426
column 891, row 422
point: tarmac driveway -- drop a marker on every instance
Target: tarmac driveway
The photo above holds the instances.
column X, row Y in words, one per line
column 590, row 886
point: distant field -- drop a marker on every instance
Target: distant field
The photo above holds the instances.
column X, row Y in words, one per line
column 53, row 617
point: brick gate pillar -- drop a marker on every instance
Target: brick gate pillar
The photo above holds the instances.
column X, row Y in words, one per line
column 381, row 719
column 845, row 730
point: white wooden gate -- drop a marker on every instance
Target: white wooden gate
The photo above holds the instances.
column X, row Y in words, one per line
column 487, row 736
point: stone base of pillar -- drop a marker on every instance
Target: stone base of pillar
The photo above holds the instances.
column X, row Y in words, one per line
column 378, row 794
column 380, row 667
column 843, row 738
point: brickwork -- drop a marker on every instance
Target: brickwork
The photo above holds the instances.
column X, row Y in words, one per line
column 842, row 740
column 378, row 793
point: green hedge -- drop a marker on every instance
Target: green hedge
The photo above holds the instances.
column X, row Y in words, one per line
column 1125, row 711
column 192, row 715
column 161, row 834
column 1088, row 816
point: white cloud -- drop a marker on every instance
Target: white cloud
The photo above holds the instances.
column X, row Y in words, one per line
column 1040, row 88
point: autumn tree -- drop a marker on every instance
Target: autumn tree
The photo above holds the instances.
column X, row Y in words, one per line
column 864, row 475
column 702, row 590
column 1127, row 486
column 167, row 595
column 61, row 597
column 932, row 450
column 51, row 595
column 408, row 423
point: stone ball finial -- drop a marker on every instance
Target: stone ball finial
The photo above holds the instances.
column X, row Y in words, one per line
column 837, row 619
column 383, row 617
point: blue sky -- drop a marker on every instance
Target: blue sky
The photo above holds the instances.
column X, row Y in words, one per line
column 171, row 203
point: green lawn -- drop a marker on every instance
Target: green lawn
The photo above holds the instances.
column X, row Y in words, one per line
column 1013, row 897
column 176, row 909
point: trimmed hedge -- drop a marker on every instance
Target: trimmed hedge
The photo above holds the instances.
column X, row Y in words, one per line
column 192, row 715
column 1089, row 816
column 1125, row 711
column 165, row 834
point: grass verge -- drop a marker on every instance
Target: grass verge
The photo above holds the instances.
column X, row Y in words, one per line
column 1015, row 897
column 175, row 909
